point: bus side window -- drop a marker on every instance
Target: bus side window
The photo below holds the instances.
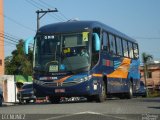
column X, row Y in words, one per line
column 125, row 48
column 119, row 46
column 135, row 49
column 130, row 49
column 105, row 45
column 112, row 44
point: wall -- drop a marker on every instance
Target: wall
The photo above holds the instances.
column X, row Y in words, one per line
column 8, row 87
column 8, row 84
column 1, row 39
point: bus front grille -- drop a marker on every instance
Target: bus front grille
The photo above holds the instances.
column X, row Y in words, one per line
column 54, row 84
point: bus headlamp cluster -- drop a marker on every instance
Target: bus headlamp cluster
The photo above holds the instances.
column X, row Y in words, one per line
column 86, row 78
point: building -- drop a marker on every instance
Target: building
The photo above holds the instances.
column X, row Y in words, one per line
column 153, row 75
column 1, row 39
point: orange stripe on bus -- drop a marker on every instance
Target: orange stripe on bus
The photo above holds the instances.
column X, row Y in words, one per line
column 97, row 75
column 122, row 70
column 62, row 79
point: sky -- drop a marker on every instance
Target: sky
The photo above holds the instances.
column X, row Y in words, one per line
column 139, row 19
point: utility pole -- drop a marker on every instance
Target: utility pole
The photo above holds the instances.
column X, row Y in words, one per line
column 43, row 12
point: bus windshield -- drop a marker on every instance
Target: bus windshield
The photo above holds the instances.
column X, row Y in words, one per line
column 62, row 52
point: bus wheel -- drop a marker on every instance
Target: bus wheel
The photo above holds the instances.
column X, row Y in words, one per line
column 54, row 100
column 90, row 98
column 27, row 101
column 130, row 92
column 102, row 96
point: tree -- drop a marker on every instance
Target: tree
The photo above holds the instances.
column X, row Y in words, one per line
column 19, row 63
column 145, row 59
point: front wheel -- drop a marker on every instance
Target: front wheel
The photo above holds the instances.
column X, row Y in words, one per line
column 90, row 98
column 27, row 101
column 130, row 92
column 54, row 100
column 102, row 96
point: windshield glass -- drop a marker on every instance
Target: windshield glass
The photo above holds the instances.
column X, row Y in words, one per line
column 65, row 52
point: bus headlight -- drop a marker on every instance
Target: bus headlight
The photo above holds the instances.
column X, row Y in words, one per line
column 86, row 78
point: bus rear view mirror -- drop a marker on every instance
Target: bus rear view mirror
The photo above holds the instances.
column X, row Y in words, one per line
column 96, row 42
column 26, row 44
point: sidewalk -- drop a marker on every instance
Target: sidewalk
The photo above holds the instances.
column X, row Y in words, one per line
column 9, row 103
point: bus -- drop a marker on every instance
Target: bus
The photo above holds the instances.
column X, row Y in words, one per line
column 84, row 59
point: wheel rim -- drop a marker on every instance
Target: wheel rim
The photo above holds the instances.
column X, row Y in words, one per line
column 131, row 91
column 103, row 92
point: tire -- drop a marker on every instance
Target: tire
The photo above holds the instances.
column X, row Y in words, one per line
column 145, row 95
column 27, row 101
column 90, row 98
column 122, row 96
column 130, row 92
column 102, row 96
column 54, row 100
column 1, row 101
column 21, row 101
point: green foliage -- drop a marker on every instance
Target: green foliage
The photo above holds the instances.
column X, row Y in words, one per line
column 146, row 58
column 153, row 93
column 19, row 63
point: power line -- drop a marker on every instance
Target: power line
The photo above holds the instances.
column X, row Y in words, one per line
column 18, row 23
column 41, row 14
column 33, row 4
column 11, row 40
column 36, row 5
column 15, row 37
column 54, row 7
column 149, row 38
column 9, row 37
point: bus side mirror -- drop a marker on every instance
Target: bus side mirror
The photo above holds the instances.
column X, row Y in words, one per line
column 96, row 42
column 26, row 44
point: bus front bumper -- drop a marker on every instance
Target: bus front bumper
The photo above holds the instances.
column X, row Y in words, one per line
column 80, row 89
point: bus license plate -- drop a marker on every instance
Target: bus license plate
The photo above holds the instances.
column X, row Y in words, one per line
column 59, row 90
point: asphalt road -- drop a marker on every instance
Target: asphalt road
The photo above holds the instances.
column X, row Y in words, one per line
column 112, row 109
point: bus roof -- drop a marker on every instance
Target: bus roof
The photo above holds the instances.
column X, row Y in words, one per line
column 74, row 26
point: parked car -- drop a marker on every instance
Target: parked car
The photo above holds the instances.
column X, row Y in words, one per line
column 142, row 91
column 1, row 97
column 26, row 94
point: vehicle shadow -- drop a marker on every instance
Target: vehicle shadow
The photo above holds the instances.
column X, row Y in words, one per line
column 157, row 100
column 154, row 107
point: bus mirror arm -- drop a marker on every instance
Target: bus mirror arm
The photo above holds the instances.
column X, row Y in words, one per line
column 96, row 41
column 26, row 44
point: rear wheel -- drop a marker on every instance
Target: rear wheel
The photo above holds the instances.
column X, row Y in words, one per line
column 130, row 92
column 54, row 100
column 102, row 96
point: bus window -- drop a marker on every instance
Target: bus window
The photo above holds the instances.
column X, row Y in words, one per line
column 130, row 49
column 125, row 48
column 112, row 44
column 105, row 42
column 119, row 46
column 135, row 49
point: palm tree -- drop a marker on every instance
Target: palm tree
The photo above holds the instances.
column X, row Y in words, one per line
column 145, row 59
